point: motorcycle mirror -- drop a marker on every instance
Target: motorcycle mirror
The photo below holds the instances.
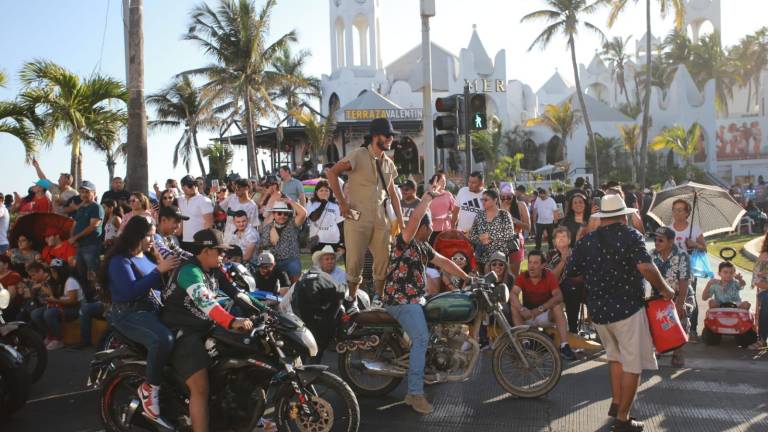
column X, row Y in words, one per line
column 5, row 297
column 490, row 277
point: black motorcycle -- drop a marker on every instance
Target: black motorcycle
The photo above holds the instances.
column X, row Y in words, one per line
column 14, row 386
column 28, row 342
column 249, row 373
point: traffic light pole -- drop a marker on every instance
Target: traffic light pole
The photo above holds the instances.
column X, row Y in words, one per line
column 467, row 131
column 427, row 11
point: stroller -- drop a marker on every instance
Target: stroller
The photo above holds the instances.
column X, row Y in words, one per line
column 454, row 245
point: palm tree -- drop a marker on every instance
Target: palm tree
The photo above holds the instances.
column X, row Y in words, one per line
column 235, row 34
column 65, row 102
column 297, row 87
column 665, row 7
column 318, row 133
column 630, row 134
column 137, row 157
column 181, row 104
column 561, row 120
column 488, row 146
column 219, row 156
column 710, row 62
column 15, row 121
column 677, row 50
column 677, row 139
column 3, row 79
column 564, row 16
column 616, row 55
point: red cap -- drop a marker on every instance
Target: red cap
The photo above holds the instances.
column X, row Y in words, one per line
column 51, row 231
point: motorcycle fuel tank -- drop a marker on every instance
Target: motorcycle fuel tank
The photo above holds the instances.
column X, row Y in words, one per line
column 453, row 307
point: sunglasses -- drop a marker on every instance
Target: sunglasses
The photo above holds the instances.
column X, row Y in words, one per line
column 458, row 258
column 133, row 200
column 506, row 198
column 497, row 264
column 679, row 210
column 487, row 199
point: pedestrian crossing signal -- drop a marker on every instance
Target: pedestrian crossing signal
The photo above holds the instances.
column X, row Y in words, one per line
column 479, row 122
column 477, row 110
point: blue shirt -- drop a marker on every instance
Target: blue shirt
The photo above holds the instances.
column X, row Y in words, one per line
column 132, row 279
column 607, row 258
column 83, row 217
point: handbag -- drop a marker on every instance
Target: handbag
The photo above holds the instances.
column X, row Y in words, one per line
column 389, row 211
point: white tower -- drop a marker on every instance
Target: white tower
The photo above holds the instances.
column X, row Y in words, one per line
column 355, row 34
column 698, row 12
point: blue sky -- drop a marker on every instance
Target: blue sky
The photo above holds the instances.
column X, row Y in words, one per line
column 69, row 32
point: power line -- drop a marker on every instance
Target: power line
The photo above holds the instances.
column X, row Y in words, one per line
column 97, row 68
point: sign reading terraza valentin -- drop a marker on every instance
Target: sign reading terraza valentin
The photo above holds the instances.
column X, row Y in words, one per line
column 392, row 114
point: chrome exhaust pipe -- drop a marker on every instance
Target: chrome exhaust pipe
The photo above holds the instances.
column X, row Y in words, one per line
column 379, row 368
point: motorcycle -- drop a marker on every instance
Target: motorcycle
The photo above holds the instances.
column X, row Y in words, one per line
column 28, row 342
column 373, row 350
column 14, row 385
column 249, row 372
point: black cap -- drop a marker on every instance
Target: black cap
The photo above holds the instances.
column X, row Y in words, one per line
column 381, row 126
column 188, row 180
column 235, row 251
column 172, row 212
column 210, row 238
column 270, row 180
column 408, row 184
column 667, row 232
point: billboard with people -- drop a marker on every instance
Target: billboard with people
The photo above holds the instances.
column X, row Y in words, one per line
column 739, row 139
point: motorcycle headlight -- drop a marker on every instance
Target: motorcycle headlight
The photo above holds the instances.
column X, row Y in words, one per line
column 309, row 340
column 501, row 293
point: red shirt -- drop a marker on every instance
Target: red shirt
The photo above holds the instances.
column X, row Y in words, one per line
column 41, row 205
column 536, row 294
column 11, row 279
column 64, row 251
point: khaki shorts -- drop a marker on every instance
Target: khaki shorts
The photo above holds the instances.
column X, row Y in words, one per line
column 629, row 342
column 540, row 320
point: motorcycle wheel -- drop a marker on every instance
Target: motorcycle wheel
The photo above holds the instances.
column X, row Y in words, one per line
column 115, row 396
column 108, row 341
column 336, row 406
column 353, row 372
column 544, row 365
column 14, row 387
column 31, row 346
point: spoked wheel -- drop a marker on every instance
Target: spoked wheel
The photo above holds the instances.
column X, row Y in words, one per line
column 119, row 404
column 544, row 365
column 334, row 407
column 360, row 379
column 31, row 346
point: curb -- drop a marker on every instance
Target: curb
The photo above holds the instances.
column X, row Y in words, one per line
column 751, row 249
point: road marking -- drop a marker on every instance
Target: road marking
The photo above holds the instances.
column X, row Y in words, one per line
column 56, row 396
column 711, row 413
column 711, row 387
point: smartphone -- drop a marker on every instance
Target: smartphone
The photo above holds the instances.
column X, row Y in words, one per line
column 215, row 184
column 354, row 214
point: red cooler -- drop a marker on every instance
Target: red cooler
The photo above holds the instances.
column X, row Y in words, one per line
column 667, row 331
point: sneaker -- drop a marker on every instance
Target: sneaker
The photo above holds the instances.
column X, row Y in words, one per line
column 350, row 306
column 613, row 411
column 419, row 403
column 630, row 425
column 567, row 353
column 149, row 395
column 54, row 345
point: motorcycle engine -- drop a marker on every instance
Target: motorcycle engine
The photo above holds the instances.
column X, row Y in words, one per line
column 445, row 353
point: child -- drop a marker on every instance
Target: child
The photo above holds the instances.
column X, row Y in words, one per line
column 726, row 289
column 63, row 296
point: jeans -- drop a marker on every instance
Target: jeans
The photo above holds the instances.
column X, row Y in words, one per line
column 411, row 319
column 49, row 320
column 762, row 319
column 88, row 258
column 145, row 328
column 549, row 228
column 88, row 312
column 292, row 266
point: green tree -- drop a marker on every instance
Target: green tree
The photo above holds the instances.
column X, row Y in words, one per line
column 709, row 61
column 665, row 7
column 677, row 49
column 78, row 107
column 3, row 79
column 562, row 120
column 683, row 142
column 507, row 168
column 235, row 35
column 108, row 143
column 630, row 135
column 565, row 17
column 15, row 121
column 615, row 54
column 181, row 104
column 487, row 144
column 297, row 87
column 219, row 156
column 319, row 133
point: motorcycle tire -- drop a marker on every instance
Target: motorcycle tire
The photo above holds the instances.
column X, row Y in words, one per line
column 14, row 386
column 389, row 383
column 329, row 415
column 31, row 346
column 538, row 349
column 127, row 377
column 108, row 341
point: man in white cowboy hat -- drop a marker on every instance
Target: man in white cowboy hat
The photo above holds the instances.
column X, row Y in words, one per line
column 281, row 236
column 325, row 261
column 613, row 261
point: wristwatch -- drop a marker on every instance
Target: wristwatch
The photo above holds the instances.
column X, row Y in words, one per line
column 541, row 309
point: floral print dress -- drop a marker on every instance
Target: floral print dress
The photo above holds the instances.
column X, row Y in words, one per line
column 501, row 230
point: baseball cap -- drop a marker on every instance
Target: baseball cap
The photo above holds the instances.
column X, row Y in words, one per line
column 51, row 231
column 43, row 183
column 667, row 232
column 235, row 251
column 88, row 186
column 57, row 262
column 188, row 180
column 210, row 238
column 265, row 258
column 172, row 212
column 381, row 126
column 408, row 184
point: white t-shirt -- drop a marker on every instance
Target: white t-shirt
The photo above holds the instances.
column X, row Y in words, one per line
column 71, row 284
column 682, row 236
column 5, row 219
column 545, row 210
column 470, row 204
column 326, row 228
column 194, row 208
column 243, row 239
column 249, row 207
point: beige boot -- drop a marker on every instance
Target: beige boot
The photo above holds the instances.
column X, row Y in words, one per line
column 419, row 403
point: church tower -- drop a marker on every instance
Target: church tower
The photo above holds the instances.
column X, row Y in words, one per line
column 698, row 12
column 355, row 34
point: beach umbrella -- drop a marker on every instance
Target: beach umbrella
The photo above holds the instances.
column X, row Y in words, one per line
column 714, row 210
column 34, row 225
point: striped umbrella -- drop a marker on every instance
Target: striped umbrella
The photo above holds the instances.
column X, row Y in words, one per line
column 714, row 210
column 309, row 185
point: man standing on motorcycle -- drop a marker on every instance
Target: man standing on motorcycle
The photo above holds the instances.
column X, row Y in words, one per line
column 190, row 310
column 404, row 291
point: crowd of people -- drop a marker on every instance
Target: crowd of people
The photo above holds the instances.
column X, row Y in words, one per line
column 127, row 254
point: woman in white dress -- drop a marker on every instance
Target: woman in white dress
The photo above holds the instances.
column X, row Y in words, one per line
column 324, row 218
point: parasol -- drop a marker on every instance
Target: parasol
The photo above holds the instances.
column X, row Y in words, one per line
column 34, row 225
column 714, row 210
column 309, row 185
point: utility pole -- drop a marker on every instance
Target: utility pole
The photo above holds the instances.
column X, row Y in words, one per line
column 427, row 11
column 137, row 169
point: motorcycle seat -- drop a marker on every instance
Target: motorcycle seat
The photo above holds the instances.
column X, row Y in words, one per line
column 374, row 317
